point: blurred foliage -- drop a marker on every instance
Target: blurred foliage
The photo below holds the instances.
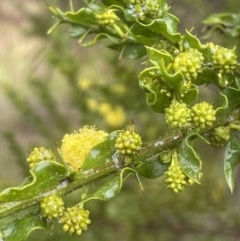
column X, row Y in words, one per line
column 68, row 87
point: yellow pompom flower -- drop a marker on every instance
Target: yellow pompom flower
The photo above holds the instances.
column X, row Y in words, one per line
column 76, row 146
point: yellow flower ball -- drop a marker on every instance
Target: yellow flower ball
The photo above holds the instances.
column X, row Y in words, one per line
column 76, row 146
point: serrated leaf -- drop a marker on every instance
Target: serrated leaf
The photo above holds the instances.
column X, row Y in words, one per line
column 190, row 41
column 103, row 154
column 189, row 159
column 19, row 229
column 231, row 159
column 165, row 27
column 44, row 175
column 152, row 167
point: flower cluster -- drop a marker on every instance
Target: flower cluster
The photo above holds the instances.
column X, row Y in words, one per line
column 52, row 206
column 203, row 115
column 145, row 8
column 174, row 176
column 128, row 142
column 224, row 60
column 40, row 154
column 220, row 136
column 189, row 63
column 178, row 115
column 75, row 220
column 76, row 146
column 107, row 18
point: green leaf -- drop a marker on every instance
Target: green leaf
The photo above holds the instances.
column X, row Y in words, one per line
column 207, row 76
column 129, row 50
column 44, row 176
column 165, row 27
column 190, row 94
column 175, row 81
column 108, row 189
column 19, row 229
column 103, row 154
column 231, row 159
column 190, row 41
column 152, row 83
column 155, row 56
column 230, row 102
column 111, row 187
column 228, row 23
column 189, row 159
column 152, row 167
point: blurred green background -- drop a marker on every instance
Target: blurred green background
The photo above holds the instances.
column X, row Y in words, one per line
column 51, row 86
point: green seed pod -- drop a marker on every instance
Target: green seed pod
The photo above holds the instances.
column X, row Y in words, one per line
column 128, row 143
column 224, row 60
column 107, row 18
column 52, row 207
column 174, row 176
column 75, row 220
column 177, row 115
column 203, row 115
column 40, row 154
column 188, row 63
column 219, row 136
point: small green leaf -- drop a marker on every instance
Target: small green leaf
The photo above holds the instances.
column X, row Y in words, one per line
column 231, row 159
column 44, row 176
column 152, row 167
column 103, row 154
column 155, row 88
column 19, row 229
column 189, row 159
column 155, row 56
column 190, row 94
column 175, row 81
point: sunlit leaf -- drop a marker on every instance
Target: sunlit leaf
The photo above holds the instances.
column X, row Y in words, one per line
column 103, row 154
column 189, row 159
column 44, row 175
column 19, row 229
